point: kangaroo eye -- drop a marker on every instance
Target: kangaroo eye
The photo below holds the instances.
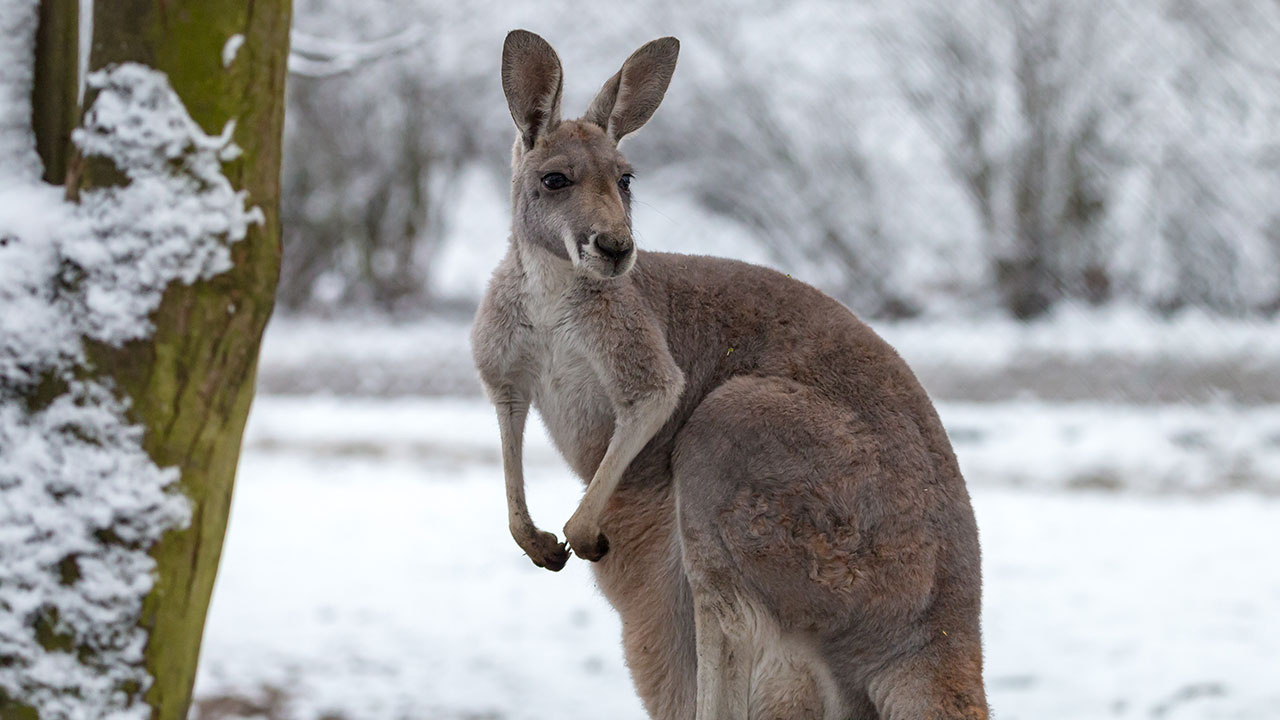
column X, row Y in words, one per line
column 556, row 181
column 624, row 182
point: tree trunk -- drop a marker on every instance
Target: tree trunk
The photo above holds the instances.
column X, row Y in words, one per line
column 1024, row 275
column 54, row 105
column 190, row 384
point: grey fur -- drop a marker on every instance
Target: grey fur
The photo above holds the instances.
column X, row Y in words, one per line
column 774, row 508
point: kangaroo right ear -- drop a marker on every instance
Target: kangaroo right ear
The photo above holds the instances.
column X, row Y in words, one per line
column 532, row 81
column 630, row 98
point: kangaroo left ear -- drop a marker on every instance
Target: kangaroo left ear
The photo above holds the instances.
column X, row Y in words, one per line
column 629, row 98
column 532, row 81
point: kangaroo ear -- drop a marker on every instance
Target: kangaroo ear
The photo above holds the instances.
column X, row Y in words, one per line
column 629, row 98
column 532, row 81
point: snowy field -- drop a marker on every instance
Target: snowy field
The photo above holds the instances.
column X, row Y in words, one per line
column 368, row 572
column 1115, row 355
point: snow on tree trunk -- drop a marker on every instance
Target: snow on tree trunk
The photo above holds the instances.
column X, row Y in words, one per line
column 129, row 328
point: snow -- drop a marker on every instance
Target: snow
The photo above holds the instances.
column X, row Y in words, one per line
column 392, row 588
column 164, row 225
column 367, row 357
column 1140, row 449
column 1075, row 354
column 17, row 144
column 230, row 48
column 70, row 475
column 1084, row 333
column 1145, row 449
column 33, row 332
column 81, row 503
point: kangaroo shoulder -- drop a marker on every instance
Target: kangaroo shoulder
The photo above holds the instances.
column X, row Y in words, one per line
column 499, row 327
column 626, row 334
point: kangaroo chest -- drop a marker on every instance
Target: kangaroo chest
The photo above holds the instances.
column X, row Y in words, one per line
column 567, row 393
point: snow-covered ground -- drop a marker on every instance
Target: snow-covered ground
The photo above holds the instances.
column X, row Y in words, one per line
column 368, row 573
column 1113, row 355
column 1043, row 446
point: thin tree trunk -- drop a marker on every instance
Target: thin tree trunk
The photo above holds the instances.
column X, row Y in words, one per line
column 54, row 104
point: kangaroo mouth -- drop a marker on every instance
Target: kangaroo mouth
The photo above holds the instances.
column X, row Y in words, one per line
column 624, row 265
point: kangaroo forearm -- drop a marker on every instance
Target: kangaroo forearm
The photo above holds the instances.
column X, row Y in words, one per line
column 512, row 414
column 513, row 472
column 623, row 448
column 632, row 432
column 543, row 548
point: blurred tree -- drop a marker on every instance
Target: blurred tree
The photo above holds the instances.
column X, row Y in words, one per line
column 1204, row 150
column 1109, row 151
column 189, row 385
column 55, row 108
column 807, row 196
column 1015, row 93
column 365, row 216
column 372, row 155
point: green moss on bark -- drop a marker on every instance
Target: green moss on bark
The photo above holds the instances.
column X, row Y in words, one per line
column 11, row 709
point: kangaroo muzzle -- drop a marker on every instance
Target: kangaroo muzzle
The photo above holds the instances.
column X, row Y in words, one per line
column 612, row 246
column 615, row 249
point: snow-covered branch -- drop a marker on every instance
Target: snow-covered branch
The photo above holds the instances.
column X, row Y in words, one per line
column 317, row 57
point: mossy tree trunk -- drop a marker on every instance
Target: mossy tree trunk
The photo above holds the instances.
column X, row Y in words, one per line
column 190, row 385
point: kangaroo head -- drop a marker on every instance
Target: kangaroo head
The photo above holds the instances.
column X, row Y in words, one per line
column 570, row 186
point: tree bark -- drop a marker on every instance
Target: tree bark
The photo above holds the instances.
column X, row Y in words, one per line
column 190, row 385
column 55, row 108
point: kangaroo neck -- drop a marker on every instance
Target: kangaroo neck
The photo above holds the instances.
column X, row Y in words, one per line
column 542, row 274
column 547, row 278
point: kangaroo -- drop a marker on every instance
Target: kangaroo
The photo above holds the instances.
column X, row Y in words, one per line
column 772, row 505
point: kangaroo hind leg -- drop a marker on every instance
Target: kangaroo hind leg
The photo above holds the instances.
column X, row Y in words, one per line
column 758, row 611
column 722, row 639
column 942, row 681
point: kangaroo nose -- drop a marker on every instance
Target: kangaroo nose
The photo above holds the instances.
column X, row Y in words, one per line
column 614, row 247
